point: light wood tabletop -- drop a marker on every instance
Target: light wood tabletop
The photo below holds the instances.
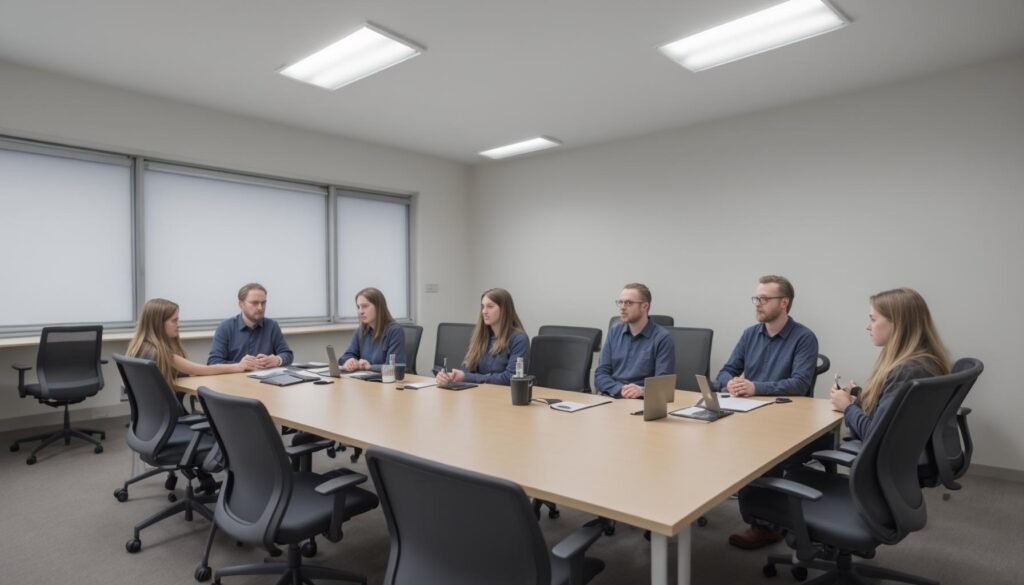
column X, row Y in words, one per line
column 659, row 475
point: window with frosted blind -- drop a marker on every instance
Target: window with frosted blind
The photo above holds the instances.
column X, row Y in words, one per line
column 372, row 250
column 66, row 236
column 207, row 233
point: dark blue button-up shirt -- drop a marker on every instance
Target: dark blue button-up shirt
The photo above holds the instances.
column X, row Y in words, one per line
column 629, row 359
column 364, row 347
column 778, row 365
column 234, row 340
column 498, row 368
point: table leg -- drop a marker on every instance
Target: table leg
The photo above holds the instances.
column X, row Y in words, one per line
column 660, row 546
column 683, row 550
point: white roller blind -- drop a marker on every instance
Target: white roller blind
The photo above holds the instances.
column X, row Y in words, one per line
column 373, row 250
column 66, row 240
column 206, row 236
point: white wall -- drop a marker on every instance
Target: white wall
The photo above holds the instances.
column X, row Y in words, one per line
column 45, row 106
column 914, row 184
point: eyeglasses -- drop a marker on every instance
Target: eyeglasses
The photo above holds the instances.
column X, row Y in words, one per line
column 762, row 300
column 627, row 304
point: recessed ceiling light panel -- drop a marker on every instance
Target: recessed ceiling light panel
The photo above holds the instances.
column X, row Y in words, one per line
column 755, row 33
column 361, row 54
column 531, row 145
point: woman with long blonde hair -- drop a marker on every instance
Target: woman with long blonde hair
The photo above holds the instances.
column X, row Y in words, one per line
column 900, row 323
column 156, row 338
column 498, row 340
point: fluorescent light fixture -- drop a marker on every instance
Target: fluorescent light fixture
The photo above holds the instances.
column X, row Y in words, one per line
column 762, row 31
column 361, row 54
column 531, row 145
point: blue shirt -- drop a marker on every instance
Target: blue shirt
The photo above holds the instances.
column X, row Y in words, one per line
column 364, row 347
column 778, row 365
column 234, row 340
column 629, row 359
column 498, row 368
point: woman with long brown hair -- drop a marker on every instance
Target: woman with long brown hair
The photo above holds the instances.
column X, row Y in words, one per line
column 156, row 338
column 900, row 323
column 498, row 340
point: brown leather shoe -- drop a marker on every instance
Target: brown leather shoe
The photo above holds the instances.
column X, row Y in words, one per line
column 755, row 537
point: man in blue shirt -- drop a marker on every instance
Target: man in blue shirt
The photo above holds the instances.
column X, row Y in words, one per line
column 636, row 349
column 777, row 356
column 249, row 334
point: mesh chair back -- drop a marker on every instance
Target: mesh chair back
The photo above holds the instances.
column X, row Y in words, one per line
column 413, row 334
column 946, row 440
column 693, row 355
column 561, row 361
column 259, row 480
column 68, row 363
column 591, row 333
column 452, row 343
column 154, row 407
column 457, row 527
column 663, row 320
column 883, row 479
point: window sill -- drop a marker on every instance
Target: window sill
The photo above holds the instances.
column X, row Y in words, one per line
column 12, row 342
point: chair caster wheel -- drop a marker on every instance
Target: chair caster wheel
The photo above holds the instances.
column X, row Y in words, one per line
column 103, row 436
column 554, row 514
column 309, row 549
column 98, row 449
column 31, row 460
column 702, row 522
column 799, row 573
column 171, row 497
column 609, row 530
column 769, row 570
column 202, row 573
column 15, row 447
column 275, row 553
column 170, row 482
column 332, row 452
column 121, row 495
column 133, row 546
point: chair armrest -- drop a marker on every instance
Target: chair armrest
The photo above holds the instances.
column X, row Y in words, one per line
column 294, row 451
column 199, row 427
column 577, row 543
column 962, row 411
column 788, row 487
column 104, row 362
column 844, row 458
column 22, row 368
column 189, row 457
column 189, row 419
column 965, row 434
column 339, row 483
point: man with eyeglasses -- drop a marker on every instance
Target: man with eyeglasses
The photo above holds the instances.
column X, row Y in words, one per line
column 250, row 335
column 775, row 357
column 637, row 348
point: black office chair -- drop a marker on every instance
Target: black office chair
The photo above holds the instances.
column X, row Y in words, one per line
column 165, row 438
column 831, row 517
column 823, row 365
column 663, row 320
column 563, row 362
column 693, row 355
column 592, row 333
column 452, row 343
column 452, row 526
column 948, row 454
column 67, row 372
column 413, row 334
column 264, row 503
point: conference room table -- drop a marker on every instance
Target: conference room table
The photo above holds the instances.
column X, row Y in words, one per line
column 658, row 475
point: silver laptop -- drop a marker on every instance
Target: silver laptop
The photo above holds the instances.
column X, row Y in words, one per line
column 333, row 369
column 658, row 392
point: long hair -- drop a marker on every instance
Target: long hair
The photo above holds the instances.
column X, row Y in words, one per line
column 151, row 341
column 913, row 337
column 508, row 323
column 383, row 318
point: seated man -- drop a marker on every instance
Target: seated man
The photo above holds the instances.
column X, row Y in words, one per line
column 250, row 334
column 775, row 357
column 636, row 349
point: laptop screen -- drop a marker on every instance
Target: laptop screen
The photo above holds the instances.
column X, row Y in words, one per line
column 710, row 398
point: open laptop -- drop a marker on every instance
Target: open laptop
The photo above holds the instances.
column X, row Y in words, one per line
column 334, row 370
column 658, row 392
column 705, row 409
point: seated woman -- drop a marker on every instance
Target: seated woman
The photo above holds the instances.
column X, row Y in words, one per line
column 378, row 336
column 899, row 323
column 498, row 339
column 156, row 338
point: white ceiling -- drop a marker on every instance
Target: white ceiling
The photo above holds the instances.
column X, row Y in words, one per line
column 582, row 71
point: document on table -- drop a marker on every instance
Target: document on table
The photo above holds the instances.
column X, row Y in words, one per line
column 268, row 373
column 734, row 404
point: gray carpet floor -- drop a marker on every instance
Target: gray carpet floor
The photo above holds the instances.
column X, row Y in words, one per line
column 60, row 524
